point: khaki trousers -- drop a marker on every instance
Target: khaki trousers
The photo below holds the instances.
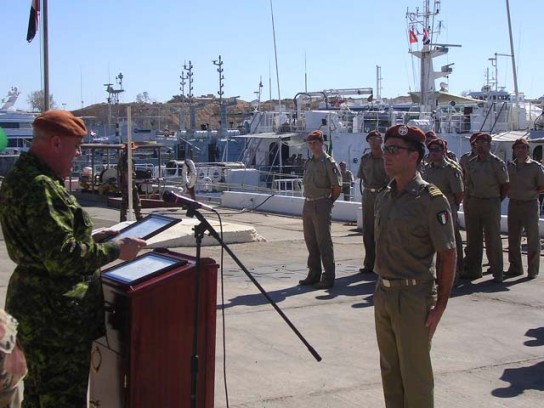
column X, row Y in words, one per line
column 483, row 218
column 523, row 215
column 316, row 221
column 369, row 199
column 403, row 341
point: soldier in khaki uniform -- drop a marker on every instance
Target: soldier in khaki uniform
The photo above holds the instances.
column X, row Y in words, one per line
column 55, row 291
column 413, row 222
column 526, row 182
column 373, row 178
column 448, row 177
column 487, row 182
column 322, row 186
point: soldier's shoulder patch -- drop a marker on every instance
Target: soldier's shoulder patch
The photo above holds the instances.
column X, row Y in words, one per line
column 434, row 191
column 443, row 217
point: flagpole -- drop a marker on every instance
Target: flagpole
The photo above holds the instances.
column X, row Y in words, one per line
column 45, row 58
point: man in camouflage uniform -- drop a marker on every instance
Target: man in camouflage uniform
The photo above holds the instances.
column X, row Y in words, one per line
column 413, row 222
column 55, row 291
column 487, row 182
column 322, row 183
column 526, row 182
column 448, row 177
column 122, row 170
column 372, row 178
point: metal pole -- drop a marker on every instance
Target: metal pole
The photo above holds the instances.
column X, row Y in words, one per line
column 45, row 58
column 130, row 215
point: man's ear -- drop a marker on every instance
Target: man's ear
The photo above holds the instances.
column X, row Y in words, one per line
column 55, row 142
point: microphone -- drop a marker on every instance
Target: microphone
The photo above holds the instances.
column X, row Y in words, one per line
column 171, row 197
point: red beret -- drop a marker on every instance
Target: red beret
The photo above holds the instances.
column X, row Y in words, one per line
column 431, row 134
column 61, row 123
column 486, row 137
column 408, row 133
column 315, row 135
column 439, row 142
column 520, row 141
column 473, row 137
column 373, row 133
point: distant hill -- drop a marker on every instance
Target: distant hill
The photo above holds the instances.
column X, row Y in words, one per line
column 161, row 116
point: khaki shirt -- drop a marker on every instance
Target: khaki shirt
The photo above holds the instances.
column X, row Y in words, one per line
column 411, row 226
column 320, row 175
column 525, row 179
column 484, row 178
column 447, row 177
column 372, row 171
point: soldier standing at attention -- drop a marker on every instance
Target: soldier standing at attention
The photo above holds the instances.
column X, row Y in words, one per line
column 55, row 291
column 413, row 223
column 487, row 182
column 526, row 182
column 322, row 183
column 372, row 178
column 122, row 170
column 347, row 181
column 448, row 177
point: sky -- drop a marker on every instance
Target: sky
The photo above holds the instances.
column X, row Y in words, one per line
column 320, row 44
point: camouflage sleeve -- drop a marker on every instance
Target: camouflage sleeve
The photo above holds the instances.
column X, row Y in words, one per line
column 62, row 231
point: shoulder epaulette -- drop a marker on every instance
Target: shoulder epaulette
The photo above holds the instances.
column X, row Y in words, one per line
column 433, row 190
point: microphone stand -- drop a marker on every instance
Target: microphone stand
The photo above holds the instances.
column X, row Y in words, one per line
column 200, row 229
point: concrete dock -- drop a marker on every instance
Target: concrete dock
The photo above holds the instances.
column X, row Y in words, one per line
column 488, row 350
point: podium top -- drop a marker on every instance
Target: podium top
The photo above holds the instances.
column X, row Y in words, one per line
column 142, row 268
column 147, row 227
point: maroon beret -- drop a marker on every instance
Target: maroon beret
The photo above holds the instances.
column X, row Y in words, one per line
column 520, row 141
column 473, row 137
column 431, row 134
column 486, row 137
column 439, row 142
column 315, row 135
column 61, row 123
column 373, row 133
column 408, row 133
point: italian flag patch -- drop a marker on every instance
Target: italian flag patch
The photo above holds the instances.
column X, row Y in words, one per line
column 443, row 217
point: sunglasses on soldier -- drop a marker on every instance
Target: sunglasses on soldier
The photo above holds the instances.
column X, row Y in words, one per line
column 394, row 149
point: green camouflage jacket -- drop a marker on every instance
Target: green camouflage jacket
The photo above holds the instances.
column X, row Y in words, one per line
column 48, row 236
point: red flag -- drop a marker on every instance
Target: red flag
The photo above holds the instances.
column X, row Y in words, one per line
column 413, row 38
column 33, row 20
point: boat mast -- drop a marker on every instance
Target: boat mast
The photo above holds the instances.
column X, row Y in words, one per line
column 512, row 53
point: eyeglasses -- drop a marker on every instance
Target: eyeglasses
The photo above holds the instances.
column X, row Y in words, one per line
column 435, row 149
column 394, row 149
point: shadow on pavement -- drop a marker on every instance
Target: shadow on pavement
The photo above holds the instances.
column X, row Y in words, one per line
column 524, row 378
column 355, row 285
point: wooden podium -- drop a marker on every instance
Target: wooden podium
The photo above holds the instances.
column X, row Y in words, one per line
column 145, row 358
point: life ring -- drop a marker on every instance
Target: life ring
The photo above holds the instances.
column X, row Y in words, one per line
column 191, row 173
